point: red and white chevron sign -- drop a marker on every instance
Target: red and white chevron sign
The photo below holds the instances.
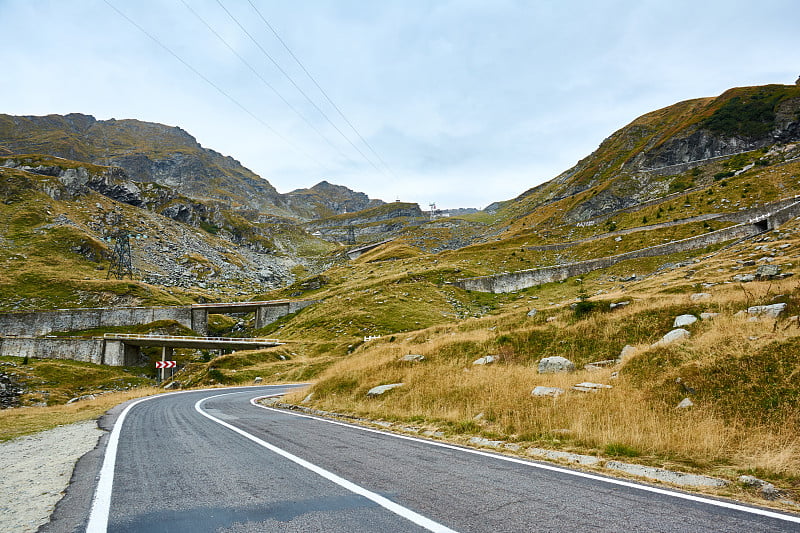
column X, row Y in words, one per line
column 166, row 364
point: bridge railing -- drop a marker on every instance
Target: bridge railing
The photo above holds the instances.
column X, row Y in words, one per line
column 243, row 340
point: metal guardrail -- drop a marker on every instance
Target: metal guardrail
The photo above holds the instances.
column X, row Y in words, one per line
column 239, row 340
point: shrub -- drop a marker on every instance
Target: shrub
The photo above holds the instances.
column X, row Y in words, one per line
column 616, row 449
column 584, row 308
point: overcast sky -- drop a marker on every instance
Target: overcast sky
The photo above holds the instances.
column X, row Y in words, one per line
column 465, row 102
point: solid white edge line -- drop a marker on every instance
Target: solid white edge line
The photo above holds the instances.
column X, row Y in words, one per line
column 386, row 503
column 101, row 501
column 542, row 466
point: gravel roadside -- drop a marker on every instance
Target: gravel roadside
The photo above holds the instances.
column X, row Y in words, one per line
column 36, row 470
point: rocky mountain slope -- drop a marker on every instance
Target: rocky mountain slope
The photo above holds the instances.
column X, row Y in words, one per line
column 325, row 199
column 657, row 153
column 147, row 152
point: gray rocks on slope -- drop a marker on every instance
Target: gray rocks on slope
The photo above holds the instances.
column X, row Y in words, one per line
column 555, row 364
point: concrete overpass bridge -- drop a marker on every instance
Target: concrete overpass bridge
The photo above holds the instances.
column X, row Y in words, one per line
column 118, row 349
column 122, row 349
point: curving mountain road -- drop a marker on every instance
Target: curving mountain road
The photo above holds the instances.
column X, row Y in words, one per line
column 213, row 461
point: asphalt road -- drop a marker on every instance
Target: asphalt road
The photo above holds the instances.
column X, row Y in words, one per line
column 212, row 461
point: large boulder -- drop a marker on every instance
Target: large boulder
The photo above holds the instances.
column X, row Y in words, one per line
column 764, row 272
column 771, row 311
column 547, row 391
column 380, row 389
column 672, row 336
column 627, row 352
column 555, row 364
column 684, row 320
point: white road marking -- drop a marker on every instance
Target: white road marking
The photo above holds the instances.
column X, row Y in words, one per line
column 542, row 466
column 399, row 510
column 101, row 502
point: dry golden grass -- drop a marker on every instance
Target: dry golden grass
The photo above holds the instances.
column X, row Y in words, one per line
column 638, row 416
column 26, row 420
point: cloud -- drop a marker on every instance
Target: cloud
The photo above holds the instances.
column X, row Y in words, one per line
column 468, row 102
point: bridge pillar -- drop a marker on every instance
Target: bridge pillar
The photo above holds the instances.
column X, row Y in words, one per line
column 268, row 314
column 117, row 353
column 200, row 321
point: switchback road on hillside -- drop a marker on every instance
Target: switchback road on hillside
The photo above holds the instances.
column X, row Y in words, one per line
column 214, row 460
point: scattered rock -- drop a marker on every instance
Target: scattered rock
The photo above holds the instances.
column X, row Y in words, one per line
column 668, row 476
column 172, row 385
column 685, row 403
column 551, row 318
column 10, row 389
column 764, row 272
column 626, row 353
column 412, row 358
column 708, row 316
column 564, row 456
column 672, row 336
column 258, row 379
column 480, row 441
column 555, row 364
column 598, row 365
column 432, row 433
column 766, row 489
column 588, row 386
column 684, row 320
column 744, row 278
column 700, row 296
column 380, row 389
column 771, row 311
column 532, row 312
column 84, row 397
column 619, row 304
column 547, row 391
column 308, row 398
column 486, row 360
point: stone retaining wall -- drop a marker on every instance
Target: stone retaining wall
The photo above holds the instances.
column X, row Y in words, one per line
column 44, row 322
column 86, row 350
column 515, row 281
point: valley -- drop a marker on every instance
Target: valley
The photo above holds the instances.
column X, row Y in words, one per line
column 204, row 229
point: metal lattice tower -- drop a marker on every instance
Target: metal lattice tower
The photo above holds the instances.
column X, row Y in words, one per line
column 121, row 264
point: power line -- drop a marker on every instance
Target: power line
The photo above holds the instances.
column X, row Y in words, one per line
column 321, row 90
column 296, row 86
column 212, row 84
column 260, row 77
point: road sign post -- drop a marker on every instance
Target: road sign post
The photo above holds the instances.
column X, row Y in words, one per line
column 166, row 351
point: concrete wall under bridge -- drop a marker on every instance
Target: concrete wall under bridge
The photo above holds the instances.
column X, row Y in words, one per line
column 87, row 350
column 195, row 317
